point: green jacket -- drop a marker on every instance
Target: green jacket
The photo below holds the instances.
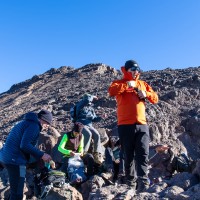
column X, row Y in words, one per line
column 70, row 143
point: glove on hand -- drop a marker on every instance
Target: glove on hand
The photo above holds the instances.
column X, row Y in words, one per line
column 131, row 83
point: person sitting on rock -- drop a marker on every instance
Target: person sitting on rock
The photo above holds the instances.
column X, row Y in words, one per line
column 86, row 115
column 72, row 145
column 114, row 162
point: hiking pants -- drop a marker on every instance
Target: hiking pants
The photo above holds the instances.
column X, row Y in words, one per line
column 16, row 175
column 89, row 133
column 135, row 147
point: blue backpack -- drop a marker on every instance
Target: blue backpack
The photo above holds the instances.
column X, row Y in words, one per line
column 76, row 170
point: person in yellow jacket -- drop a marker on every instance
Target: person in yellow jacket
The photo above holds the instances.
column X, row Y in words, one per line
column 131, row 95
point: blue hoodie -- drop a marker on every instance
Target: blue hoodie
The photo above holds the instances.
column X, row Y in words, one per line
column 85, row 112
column 21, row 141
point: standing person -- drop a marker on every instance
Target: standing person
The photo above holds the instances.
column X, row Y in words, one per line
column 131, row 94
column 20, row 145
column 86, row 115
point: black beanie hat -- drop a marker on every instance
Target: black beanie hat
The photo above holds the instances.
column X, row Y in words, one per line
column 46, row 116
column 131, row 63
column 78, row 127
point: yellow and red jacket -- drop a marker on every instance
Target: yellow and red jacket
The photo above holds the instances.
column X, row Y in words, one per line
column 130, row 109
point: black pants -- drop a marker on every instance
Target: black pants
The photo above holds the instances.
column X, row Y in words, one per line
column 16, row 175
column 135, row 147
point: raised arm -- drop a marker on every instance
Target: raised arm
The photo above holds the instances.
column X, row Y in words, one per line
column 150, row 94
column 62, row 145
column 117, row 87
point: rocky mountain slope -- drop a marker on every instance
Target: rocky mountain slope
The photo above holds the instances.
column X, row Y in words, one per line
column 175, row 120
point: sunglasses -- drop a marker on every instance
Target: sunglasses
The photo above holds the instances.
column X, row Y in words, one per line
column 135, row 69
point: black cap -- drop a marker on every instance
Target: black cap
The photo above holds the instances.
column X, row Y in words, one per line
column 46, row 116
column 132, row 64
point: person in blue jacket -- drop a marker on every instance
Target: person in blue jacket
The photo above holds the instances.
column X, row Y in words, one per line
column 86, row 115
column 20, row 145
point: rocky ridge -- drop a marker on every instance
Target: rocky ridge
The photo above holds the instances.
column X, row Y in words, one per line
column 174, row 120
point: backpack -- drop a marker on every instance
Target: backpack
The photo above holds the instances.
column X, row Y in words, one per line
column 73, row 113
column 76, row 170
column 182, row 163
column 46, row 180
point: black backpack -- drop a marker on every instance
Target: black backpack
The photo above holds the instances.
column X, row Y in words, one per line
column 47, row 179
column 182, row 163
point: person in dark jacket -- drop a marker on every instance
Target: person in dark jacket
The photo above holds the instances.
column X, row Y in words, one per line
column 114, row 162
column 20, row 145
column 86, row 115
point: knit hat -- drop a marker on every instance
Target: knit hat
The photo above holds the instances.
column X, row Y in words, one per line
column 46, row 116
column 132, row 64
column 78, row 127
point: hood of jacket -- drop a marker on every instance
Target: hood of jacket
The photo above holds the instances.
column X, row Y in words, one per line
column 128, row 75
column 31, row 116
column 88, row 97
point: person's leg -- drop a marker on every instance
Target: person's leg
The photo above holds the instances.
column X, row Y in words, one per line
column 109, row 165
column 121, row 164
column 87, row 138
column 64, row 165
column 88, row 160
column 141, row 156
column 97, row 140
column 16, row 175
column 109, row 160
column 127, row 140
column 121, row 169
column 98, row 150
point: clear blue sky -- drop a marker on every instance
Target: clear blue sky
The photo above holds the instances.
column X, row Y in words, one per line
column 37, row 35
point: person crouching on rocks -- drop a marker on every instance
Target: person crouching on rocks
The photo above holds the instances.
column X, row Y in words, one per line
column 72, row 146
column 20, row 145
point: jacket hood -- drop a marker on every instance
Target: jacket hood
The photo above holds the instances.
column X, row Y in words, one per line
column 128, row 75
column 88, row 97
column 31, row 116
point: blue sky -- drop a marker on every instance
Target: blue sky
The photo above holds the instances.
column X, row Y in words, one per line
column 37, row 35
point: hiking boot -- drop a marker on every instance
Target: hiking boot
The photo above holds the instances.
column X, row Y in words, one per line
column 98, row 158
column 131, row 183
column 142, row 186
column 121, row 179
column 107, row 175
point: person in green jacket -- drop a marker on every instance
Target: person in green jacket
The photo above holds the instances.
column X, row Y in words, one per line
column 72, row 144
